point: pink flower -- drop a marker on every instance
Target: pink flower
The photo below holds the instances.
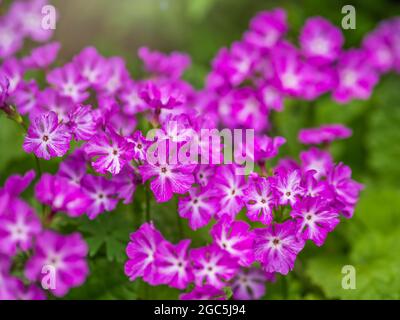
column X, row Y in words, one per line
column 50, row 100
column 160, row 64
column 169, row 179
column 236, row 238
column 321, row 41
column 276, row 247
column 204, row 174
column 198, row 207
column 66, row 254
column 11, row 39
column 47, row 138
column 13, row 71
column 347, row 190
column 229, row 189
column 30, row 292
column 356, row 79
column 102, row 193
column 42, row 57
column 91, row 66
column 16, row 184
column 260, row 200
column 324, row 134
column 162, row 95
column 115, row 75
column 141, row 252
column 132, row 103
column 266, row 147
column 18, row 227
column 271, row 97
column 249, row 284
column 4, row 86
column 205, row 292
column 318, row 160
column 288, row 186
column 267, row 28
column 315, row 219
column 81, row 122
column 61, row 195
column 173, row 265
column 73, row 167
column 69, row 83
column 25, row 96
column 213, row 266
column 110, row 151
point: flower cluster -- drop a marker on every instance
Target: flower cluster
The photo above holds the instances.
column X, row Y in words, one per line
column 55, row 262
column 88, row 113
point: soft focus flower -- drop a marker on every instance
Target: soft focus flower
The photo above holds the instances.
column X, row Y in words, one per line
column 324, row 134
column 320, row 40
column 66, row 254
column 81, row 122
column 18, row 227
column 141, row 252
column 46, row 137
column 42, row 57
column 163, row 95
column 61, row 195
column 249, row 284
column 205, row 292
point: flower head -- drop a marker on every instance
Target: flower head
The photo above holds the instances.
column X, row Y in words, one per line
column 46, row 137
column 66, row 254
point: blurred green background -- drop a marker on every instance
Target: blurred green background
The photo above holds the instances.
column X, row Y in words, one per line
column 370, row 241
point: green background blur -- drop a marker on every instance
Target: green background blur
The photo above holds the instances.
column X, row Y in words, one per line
column 370, row 241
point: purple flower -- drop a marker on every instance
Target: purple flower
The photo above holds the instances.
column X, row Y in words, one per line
column 267, row 28
column 18, row 227
column 288, row 186
column 8, row 283
column 125, row 183
column 346, row 190
column 11, row 39
column 66, row 254
column 30, row 292
column 259, row 200
column 42, row 57
column 160, row 64
column 169, row 179
column 81, row 122
column 315, row 159
column 213, row 266
column 25, row 96
column 266, row 147
column 321, row 41
column 102, row 193
column 69, row 83
column 205, row 292
column 198, row 207
column 50, row 100
column 73, row 167
column 110, row 151
column 236, row 238
column 315, row 219
column 162, row 95
column 356, row 79
column 324, row 134
column 91, row 65
column 249, row 284
column 271, row 97
column 204, row 174
column 29, row 17
column 16, row 184
column 46, row 137
column 132, row 103
column 4, row 85
column 141, row 252
column 276, row 247
column 61, row 195
column 13, row 70
column 229, row 189
column 173, row 265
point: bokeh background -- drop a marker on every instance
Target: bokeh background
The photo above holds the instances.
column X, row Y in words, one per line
column 370, row 241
